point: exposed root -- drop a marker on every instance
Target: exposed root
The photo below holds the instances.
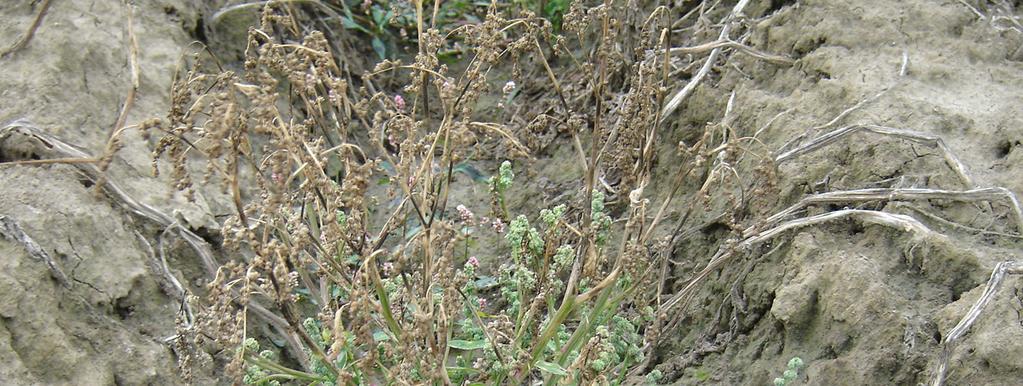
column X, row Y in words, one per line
column 881, row 194
column 676, row 99
column 858, row 105
column 952, row 338
column 90, row 169
column 169, row 279
column 782, row 221
column 29, row 33
column 725, row 255
column 831, row 137
column 12, row 231
column 726, row 43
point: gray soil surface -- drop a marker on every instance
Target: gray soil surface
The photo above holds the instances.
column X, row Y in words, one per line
column 859, row 303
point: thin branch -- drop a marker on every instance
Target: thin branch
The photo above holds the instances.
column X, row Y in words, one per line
column 951, row 339
column 10, row 229
column 29, row 33
column 897, row 221
column 831, row 137
column 728, row 43
column 676, row 100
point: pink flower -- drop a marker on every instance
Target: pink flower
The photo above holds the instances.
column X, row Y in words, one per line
column 498, row 225
column 473, row 261
column 483, row 303
column 399, row 102
column 465, row 214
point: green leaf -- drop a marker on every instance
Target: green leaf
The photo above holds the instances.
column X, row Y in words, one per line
column 467, row 344
column 348, row 23
column 378, row 46
column 379, row 16
column 471, row 171
column 486, row 282
column 381, row 336
column 552, row 368
column 459, row 369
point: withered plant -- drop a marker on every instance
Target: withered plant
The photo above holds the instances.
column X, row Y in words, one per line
column 347, row 239
column 343, row 222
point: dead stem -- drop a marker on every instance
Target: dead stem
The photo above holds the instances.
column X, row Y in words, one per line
column 29, row 33
column 676, row 100
column 951, row 339
column 10, row 229
column 727, row 43
column 831, row 137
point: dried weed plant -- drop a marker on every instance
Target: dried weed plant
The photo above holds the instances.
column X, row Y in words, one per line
column 369, row 289
column 342, row 187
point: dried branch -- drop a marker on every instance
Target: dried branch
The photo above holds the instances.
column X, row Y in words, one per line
column 831, row 137
column 885, row 194
column 29, row 33
column 897, row 221
column 681, row 95
column 952, row 338
column 12, row 231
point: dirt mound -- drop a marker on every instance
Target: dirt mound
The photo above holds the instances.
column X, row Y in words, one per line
column 100, row 315
column 861, row 304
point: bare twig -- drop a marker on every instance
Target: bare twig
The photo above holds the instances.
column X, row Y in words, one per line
column 829, row 138
column 952, row 338
column 113, row 142
column 681, row 95
column 728, row 43
column 883, row 194
column 29, row 33
column 10, row 229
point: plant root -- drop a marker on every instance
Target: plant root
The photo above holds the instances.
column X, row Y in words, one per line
column 885, row 194
column 831, row 137
column 676, row 99
column 898, row 221
column 29, row 33
column 10, row 229
column 781, row 222
column 952, row 338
